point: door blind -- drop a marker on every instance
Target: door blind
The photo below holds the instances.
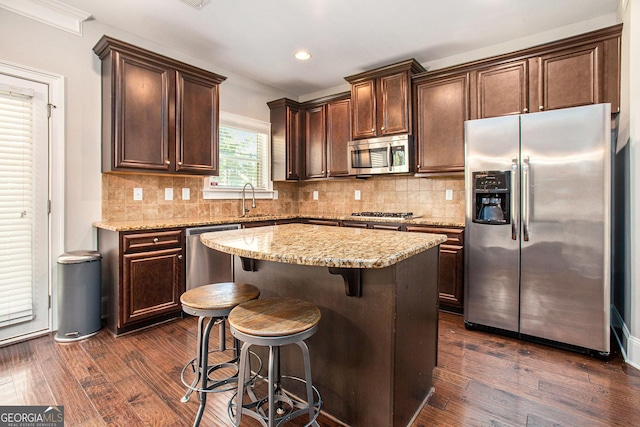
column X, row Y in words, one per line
column 16, row 205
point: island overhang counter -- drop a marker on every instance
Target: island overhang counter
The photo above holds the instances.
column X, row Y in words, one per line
column 376, row 346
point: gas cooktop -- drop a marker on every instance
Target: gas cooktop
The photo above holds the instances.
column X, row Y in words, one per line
column 390, row 215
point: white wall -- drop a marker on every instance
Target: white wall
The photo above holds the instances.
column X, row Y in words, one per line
column 36, row 45
column 631, row 127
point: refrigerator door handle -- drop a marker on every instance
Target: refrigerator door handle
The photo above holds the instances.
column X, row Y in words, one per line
column 514, row 225
column 526, row 169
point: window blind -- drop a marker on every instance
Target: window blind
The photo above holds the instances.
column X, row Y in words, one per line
column 243, row 158
column 16, row 206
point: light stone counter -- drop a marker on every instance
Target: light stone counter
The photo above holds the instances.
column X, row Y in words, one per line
column 314, row 245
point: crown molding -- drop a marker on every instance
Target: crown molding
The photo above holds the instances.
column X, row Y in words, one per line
column 50, row 12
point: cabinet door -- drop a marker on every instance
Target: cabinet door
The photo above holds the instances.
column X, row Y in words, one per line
column 501, row 90
column 567, row 78
column 451, row 280
column 442, row 106
column 143, row 92
column 293, row 143
column 151, row 284
column 363, row 97
column 338, row 136
column 315, row 142
column 196, row 125
column 393, row 105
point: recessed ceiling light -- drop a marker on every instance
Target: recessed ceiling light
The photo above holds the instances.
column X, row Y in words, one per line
column 302, row 55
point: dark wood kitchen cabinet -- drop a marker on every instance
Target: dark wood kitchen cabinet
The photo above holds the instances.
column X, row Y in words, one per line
column 451, row 279
column 441, row 108
column 381, row 100
column 315, row 142
column 142, row 277
column 158, row 115
column 285, row 139
column 327, row 131
column 500, row 90
column 575, row 76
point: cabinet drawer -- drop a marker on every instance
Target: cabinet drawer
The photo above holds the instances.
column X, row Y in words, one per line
column 151, row 241
column 455, row 236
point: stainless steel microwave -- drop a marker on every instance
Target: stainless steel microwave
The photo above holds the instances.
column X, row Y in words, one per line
column 388, row 154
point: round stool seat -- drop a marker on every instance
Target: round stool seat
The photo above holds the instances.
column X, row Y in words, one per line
column 217, row 299
column 274, row 317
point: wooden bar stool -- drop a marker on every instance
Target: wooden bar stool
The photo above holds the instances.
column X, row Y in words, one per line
column 273, row 323
column 213, row 302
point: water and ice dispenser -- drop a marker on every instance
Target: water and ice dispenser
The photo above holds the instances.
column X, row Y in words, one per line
column 491, row 197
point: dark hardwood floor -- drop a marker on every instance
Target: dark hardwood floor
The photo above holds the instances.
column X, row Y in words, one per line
column 482, row 379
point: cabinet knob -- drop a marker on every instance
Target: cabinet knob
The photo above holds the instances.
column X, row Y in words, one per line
column 180, row 256
column 526, row 110
column 155, row 240
column 541, row 107
column 418, row 166
column 382, row 128
column 321, row 171
column 167, row 162
column 179, row 163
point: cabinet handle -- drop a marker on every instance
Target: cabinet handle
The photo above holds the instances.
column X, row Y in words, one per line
column 167, row 162
column 526, row 110
column 180, row 256
column 155, row 240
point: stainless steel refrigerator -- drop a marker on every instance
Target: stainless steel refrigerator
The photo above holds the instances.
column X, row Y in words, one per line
column 538, row 225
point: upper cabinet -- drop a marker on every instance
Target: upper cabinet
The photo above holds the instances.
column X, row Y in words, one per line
column 158, row 115
column 381, row 100
column 327, row 131
column 285, row 139
column 576, row 71
column 441, row 107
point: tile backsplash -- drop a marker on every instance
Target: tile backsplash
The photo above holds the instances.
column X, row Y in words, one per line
column 423, row 196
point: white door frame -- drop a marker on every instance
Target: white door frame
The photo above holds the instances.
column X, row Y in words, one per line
column 56, row 174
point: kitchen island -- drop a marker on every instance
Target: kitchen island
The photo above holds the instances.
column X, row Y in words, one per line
column 373, row 355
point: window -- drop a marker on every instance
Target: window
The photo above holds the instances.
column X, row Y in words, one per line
column 244, row 156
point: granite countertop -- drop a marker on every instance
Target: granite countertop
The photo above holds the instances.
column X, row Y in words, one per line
column 136, row 225
column 317, row 245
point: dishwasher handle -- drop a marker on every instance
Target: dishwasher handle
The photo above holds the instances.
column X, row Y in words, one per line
column 195, row 231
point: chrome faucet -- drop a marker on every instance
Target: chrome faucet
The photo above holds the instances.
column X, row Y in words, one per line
column 253, row 196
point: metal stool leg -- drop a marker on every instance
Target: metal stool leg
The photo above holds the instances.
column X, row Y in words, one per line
column 203, row 367
column 307, row 375
column 241, row 380
column 185, row 398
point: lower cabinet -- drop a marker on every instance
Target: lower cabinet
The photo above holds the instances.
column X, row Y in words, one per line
column 451, row 280
column 143, row 277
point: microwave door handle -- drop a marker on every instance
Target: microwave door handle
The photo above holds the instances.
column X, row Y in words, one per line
column 389, row 156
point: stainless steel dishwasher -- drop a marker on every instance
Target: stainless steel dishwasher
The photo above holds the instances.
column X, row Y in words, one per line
column 205, row 265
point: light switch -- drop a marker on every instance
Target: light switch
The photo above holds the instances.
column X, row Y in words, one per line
column 315, row 194
column 186, row 194
column 448, row 194
column 137, row 193
column 357, row 195
column 168, row 193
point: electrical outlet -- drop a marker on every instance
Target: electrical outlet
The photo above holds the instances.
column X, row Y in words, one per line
column 137, row 193
column 315, row 194
column 186, row 194
column 448, row 194
column 275, row 194
column 168, row 193
column 357, row 195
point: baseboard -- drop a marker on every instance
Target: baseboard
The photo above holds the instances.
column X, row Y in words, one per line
column 629, row 345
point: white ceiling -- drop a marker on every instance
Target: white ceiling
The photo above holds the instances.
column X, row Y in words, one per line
column 257, row 38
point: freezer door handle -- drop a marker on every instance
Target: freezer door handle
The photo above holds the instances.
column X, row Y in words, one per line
column 526, row 170
column 514, row 225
